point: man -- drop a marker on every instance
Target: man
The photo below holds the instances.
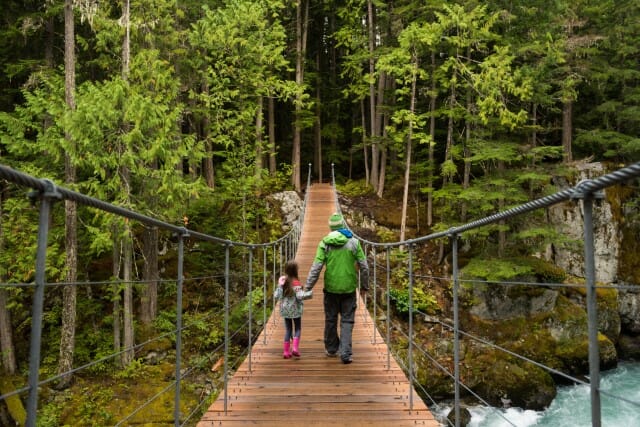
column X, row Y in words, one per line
column 340, row 252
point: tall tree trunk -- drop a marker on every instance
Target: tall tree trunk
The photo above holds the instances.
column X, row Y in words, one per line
column 7, row 349
column 272, row 137
column 208, row 169
column 128, row 354
column 301, row 28
column 466, row 155
column 448, row 152
column 363, row 117
column 372, row 99
column 127, row 278
column 567, row 130
column 259, row 162
column 68, row 331
column 317, row 158
column 117, row 295
column 432, row 134
column 407, row 170
column 384, row 149
column 151, row 276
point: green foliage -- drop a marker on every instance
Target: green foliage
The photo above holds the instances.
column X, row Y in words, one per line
column 386, row 235
column 134, row 370
column 49, row 414
column 92, row 412
column 545, row 271
column 355, row 188
column 612, row 145
column 423, row 302
column 494, row 270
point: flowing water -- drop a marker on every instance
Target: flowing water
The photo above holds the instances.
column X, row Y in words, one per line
column 572, row 405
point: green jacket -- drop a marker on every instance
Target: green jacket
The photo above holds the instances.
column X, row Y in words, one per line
column 340, row 252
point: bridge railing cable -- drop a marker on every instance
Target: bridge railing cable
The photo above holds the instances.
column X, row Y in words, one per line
column 274, row 254
column 586, row 192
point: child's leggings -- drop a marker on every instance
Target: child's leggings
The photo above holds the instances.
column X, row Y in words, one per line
column 289, row 324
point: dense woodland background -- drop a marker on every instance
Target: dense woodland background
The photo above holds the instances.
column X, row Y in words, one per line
column 192, row 111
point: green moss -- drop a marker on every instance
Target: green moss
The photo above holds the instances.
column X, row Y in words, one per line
column 107, row 400
column 14, row 404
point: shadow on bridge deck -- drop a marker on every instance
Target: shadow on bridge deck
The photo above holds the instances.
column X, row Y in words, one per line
column 315, row 389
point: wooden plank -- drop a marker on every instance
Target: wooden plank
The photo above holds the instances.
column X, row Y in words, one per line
column 317, row 390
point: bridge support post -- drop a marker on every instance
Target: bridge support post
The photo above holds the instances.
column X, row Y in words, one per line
column 410, row 350
column 179, row 282
column 592, row 308
column 388, row 310
column 227, row 249
column 456, row 326
column 47, row 197
column 250, row 344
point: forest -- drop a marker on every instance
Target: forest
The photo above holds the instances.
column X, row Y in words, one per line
column 194, row 111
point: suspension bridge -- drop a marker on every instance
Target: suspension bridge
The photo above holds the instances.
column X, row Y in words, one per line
column 260, row 387
column 315, row 389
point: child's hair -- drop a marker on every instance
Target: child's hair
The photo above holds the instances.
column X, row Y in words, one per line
column 291, row 270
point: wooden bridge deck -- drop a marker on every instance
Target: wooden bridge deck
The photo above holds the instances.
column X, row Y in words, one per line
column 315, row 389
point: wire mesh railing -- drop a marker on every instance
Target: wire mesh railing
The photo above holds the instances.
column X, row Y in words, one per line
column 249, row 277
column 405, row 333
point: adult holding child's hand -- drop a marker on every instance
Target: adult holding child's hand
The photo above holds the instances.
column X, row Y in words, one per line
column 341, row 253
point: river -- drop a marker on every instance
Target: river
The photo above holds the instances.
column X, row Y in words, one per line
column 572, row 405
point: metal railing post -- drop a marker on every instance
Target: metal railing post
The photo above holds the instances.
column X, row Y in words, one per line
column 179, row 282
column 388, row 311
column 456, row 327
column 264, row 291
column 250, row 302
column 226, row 325
column 592, row 308
column 274, row 279
column 46, row 201
column 410, row 356
column 375, row 311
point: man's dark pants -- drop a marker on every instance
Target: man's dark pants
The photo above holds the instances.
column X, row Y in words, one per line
column 343, row 305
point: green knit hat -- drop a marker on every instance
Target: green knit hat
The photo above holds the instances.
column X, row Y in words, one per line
column 336, row 221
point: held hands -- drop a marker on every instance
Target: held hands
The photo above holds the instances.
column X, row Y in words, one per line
column 307, row 294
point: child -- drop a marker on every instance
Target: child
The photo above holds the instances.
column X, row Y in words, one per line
column 291, row 295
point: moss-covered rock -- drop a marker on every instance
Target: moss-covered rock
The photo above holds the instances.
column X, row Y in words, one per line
column 506, row 380
column 629, row 347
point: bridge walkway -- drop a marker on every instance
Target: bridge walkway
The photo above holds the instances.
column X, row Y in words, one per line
column 316, row 390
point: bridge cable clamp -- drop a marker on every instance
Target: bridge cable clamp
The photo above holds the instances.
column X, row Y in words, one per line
column 581, row 191
column 50, row 191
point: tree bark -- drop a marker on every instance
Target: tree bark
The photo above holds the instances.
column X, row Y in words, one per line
column 372, row 99
column 367, row 171
column 115, row 273
column 127, row 251
column 127, row 255
column 567, row 130
column 272, row 137
column 317, row 158
column 7, row 349
column 259, row 162
column 302, row 13
column 69, row 292
column 407, row 170
column 432, row 133
column 149, row 303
